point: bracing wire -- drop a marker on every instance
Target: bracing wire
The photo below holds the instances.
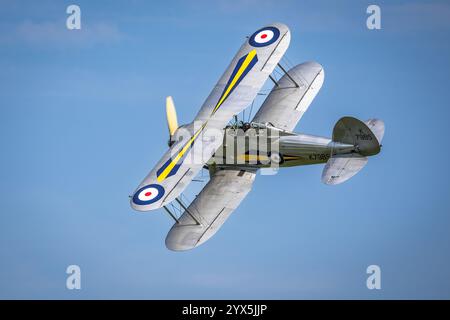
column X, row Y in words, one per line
column 288, row 61
column 251, row 109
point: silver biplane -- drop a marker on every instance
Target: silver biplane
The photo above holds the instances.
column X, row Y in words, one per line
column 233, row 153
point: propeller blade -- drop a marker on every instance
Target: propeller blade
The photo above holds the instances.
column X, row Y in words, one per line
column 171, row 114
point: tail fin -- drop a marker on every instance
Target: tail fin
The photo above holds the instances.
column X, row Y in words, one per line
column 365, row 136
column 353, row 131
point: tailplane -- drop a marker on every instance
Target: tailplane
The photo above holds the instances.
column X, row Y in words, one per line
column 342, row 167
column 365, row 136
column 377, row 127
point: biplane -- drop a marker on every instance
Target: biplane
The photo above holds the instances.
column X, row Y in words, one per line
column 233, row 153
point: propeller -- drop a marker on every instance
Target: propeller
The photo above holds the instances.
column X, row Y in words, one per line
column 171, row 115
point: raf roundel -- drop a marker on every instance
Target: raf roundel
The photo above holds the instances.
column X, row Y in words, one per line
column 148, row 194
column 264, row 37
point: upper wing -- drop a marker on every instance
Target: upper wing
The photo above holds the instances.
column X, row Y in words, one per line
column 235, row 90
column 244, row 78
column 287, row 103
column 213, row 205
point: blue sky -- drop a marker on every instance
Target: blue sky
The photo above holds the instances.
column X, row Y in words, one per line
column 82, row 122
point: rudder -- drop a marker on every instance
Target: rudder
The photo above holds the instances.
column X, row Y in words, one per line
column 353, row 131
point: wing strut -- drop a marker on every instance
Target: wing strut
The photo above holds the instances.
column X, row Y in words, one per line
column 288, row 75
column 171, row 214
column 187, row 211
column 274, row 81
column 183, row 206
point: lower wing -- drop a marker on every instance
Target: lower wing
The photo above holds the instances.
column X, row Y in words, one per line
column 206, row 214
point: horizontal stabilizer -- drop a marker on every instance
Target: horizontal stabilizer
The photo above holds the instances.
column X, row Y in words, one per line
column 340, row 168
column 377, row 127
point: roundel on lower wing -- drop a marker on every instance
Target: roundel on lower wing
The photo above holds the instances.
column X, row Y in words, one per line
column 148, row 194
column 264, row 37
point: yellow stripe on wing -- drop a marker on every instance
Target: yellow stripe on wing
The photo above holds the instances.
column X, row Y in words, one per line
column 180, row 154
column 246, row 65
column 238, row 74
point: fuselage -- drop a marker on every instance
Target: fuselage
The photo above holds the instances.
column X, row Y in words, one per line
column 264, row 146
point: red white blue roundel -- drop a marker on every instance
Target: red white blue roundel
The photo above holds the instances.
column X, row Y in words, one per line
column 264, row 37
column 148, row 194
